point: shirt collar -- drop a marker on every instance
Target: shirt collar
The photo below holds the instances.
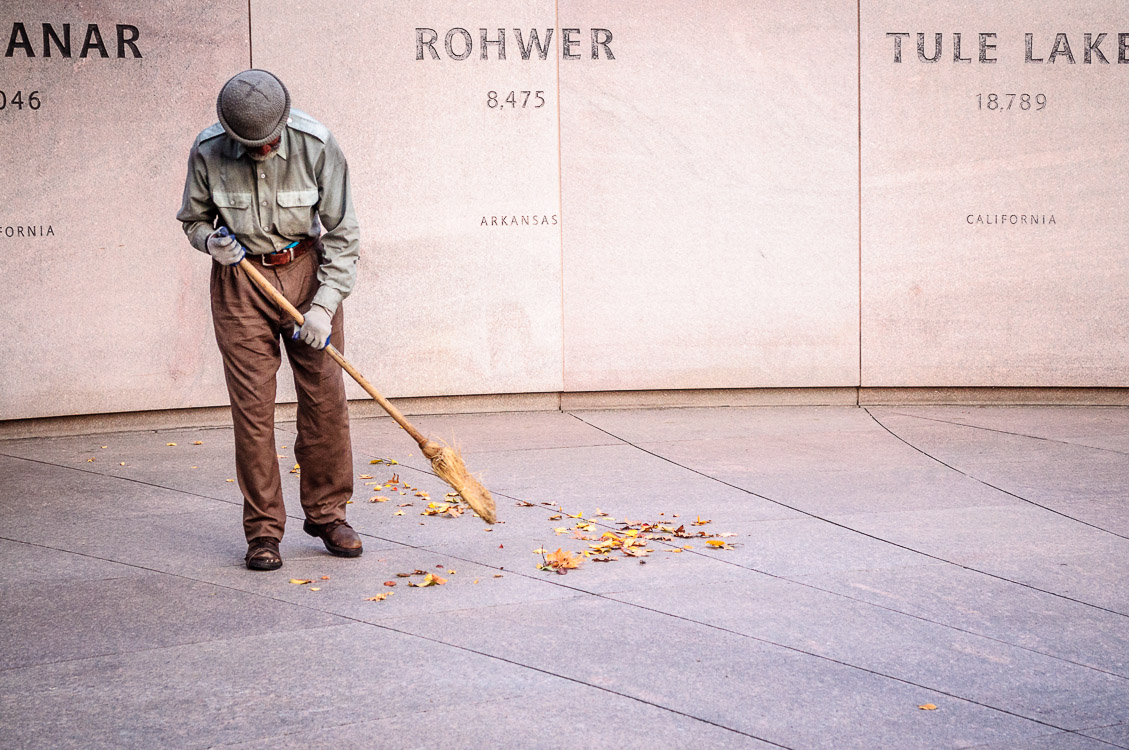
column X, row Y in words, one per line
column 283, row 147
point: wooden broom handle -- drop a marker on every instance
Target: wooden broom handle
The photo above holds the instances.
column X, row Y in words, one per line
column 281, row 301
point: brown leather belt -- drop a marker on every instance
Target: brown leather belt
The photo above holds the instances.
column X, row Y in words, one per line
column 282, row 257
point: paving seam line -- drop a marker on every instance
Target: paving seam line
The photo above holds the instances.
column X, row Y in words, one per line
column 1008, row 432
column 589, row 684
column 868, row 535
column 989, row 484
column 407, row 633
column 831, row 592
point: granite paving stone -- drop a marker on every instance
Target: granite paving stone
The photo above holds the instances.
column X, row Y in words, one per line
column 992, row 607
column 547, row 719
column 1067, row 695
column 81, row 619
column 225, row 691
column 797, row 700
column 130, row 621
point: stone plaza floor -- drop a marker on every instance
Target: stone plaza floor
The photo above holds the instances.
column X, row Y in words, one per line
column 895, row 577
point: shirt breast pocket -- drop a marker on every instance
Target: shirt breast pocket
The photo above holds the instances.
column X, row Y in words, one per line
column 234, row 210
column 296, row 211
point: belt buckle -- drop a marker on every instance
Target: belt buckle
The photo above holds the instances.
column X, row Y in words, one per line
column 289, row 250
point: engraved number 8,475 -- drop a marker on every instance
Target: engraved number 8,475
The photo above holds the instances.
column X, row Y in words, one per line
column 493, row 102
column 994, row 103
column 18, row 102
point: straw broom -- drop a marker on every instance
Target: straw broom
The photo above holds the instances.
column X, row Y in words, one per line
column 446, row 462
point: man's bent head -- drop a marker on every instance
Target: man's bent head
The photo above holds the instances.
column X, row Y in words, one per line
column 253, row 107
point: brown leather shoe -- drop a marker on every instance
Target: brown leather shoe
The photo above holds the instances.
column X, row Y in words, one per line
column 338, row 536
column 262, row 554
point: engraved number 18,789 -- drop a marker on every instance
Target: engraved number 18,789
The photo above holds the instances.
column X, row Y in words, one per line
column 997, row 102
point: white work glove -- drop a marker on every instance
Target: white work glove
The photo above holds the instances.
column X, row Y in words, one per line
column 315, row 331
column 223, row 246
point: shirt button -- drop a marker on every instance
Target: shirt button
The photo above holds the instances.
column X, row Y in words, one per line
column 264, row 203
column 263, row 175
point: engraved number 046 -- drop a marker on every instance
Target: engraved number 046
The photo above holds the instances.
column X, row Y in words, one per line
column 18, row 101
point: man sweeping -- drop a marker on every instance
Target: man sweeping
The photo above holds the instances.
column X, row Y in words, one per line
column 263, row 183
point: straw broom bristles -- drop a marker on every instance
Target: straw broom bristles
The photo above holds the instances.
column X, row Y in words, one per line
column 448, row 465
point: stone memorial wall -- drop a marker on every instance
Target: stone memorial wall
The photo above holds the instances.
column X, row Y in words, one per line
column 582, row 196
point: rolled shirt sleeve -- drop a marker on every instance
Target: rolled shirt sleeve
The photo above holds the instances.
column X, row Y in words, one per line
column 197, row 212
column 341, row 238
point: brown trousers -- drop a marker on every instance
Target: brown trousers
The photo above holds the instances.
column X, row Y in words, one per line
column 248, row 326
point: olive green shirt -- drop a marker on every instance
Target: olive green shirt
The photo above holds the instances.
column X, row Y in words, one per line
column 269, row 204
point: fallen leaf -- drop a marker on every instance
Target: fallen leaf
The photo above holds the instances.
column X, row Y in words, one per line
column 540, row 551
column 105, row 446
column 315, row 588
column 450, row 572
column 429, row 580
column 171, row 445
column 398, row 513
column 123, row 464
column 90, row 460
column 727, row 534
column 325, row 578
column 300, row 581
column 380, row 597
column 364, row 476
column 497, row 575
column 378, row 499
column 201, row 442
column 700, row 522
column 229, row 480
column 560, row 561
column 928, row 707
column 389, row 583
column 519, row 503
column 718, row 544
column 551, row 518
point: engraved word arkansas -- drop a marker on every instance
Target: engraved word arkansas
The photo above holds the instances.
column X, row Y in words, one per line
column 1037, row 50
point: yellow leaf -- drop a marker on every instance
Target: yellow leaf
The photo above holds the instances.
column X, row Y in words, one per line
column 105, row 446
column 300, row 581
column 718, row 544
column 380, row 597
column 551, row 518
column 90, row 460
column 928, row 707
column 450, row 572
column 429, row 580
column 540, row 551
column 171, row 445
column 123, row 464
column 378, row 499
column 364, row 476
column 376, row 461
column 398, row 513
column 201, row 442
column 314, row 588
column 229, row 480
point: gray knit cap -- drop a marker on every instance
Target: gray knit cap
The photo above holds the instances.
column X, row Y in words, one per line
column 253, row 107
